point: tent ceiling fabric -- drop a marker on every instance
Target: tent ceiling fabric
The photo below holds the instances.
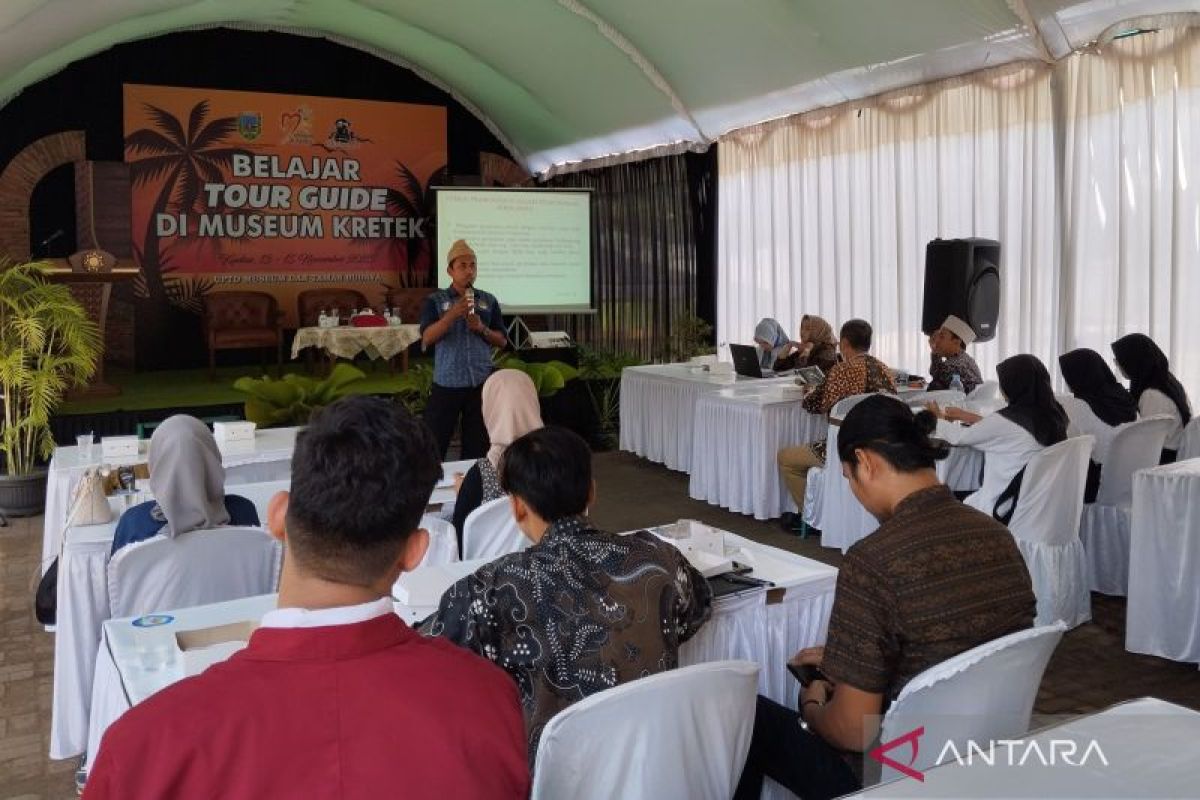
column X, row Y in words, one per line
column 569, row 81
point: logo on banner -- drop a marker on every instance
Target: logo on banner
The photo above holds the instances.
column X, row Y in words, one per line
column 296, row 126
column 343, row 137
column 250, row 125
column 912, row 738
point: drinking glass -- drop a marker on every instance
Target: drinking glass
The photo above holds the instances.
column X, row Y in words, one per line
column 84, row 442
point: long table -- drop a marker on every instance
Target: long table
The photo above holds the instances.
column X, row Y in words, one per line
column 737, row 434
column 767, row 627
column 658, row 409
column 83, row 606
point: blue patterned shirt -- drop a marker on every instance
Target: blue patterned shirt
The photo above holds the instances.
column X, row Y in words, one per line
column 461, row 359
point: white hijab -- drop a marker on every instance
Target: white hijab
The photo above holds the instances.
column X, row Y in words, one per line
column 186, row 476
column 510, row 410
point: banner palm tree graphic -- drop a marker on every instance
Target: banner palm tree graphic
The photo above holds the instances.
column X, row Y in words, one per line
column 184, row 159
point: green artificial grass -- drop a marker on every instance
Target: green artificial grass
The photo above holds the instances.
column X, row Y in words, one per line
column 143, row 391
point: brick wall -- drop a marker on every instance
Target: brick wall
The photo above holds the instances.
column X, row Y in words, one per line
column 20, row 177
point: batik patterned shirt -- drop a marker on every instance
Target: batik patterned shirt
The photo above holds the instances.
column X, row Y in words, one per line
column 579, row 612
column 942, row 370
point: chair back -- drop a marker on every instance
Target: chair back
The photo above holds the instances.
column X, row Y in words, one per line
column 842, row 407
column 259, row 493
column 443, row 541
column 240, row 310
column 1051, row 499
column 1190, row 446
column 981, row 694
column 204, row 566
column 310, row 303
column 490, row 531
column 1136, row 445
column 681, row 733
column 985, row 392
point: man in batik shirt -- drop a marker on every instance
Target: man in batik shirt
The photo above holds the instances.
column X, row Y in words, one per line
column 856, row 373
column 581, row 610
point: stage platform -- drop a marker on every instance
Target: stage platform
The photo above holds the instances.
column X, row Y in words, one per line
column 154, row 396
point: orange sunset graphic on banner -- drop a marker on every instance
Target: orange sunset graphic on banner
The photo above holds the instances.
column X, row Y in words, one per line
column 280, row 193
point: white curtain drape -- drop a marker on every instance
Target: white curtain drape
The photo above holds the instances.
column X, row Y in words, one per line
column 829, row 212
column 1131, row 196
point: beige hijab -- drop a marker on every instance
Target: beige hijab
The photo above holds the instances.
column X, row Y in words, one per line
column 510, row 410
column 186, row 476
column 816, row 330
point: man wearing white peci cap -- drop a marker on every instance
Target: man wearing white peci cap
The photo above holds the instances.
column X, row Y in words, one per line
column 949, row 356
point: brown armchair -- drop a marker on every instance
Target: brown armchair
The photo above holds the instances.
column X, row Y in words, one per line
column 241, row 320
column 310, row 303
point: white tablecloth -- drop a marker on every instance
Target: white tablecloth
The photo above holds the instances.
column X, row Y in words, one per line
column 737, row 433
column 766, row 627
column 1148, row 744
column 658, row 406
column 270, row 460
column 348, row 341
column 1163, row 612
column 83, row 607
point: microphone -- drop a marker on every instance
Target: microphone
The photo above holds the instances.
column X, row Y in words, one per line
column 470, row 298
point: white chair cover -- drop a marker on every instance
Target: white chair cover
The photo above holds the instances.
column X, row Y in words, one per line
column 1189, row 446
column 443, row 541
column 985, row 392
column 983, row 694
column 1105, row 526
column 683, row 733
column 840, row 517
column 1045, row 524
column 205, row 566
column 490, row 531
column 1162, row 617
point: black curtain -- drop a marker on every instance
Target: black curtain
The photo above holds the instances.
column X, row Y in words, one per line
column 652, row 250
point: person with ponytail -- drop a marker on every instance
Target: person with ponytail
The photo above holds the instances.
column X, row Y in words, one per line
column 1155, row 390
column 936, row 579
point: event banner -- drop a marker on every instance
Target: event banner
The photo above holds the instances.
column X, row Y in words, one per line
column 280, row 193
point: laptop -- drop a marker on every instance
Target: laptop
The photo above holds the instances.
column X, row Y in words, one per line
column 745, row 361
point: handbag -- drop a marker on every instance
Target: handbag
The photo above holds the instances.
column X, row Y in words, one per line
column 89, row 506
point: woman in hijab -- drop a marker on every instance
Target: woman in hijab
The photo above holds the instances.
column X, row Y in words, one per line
column 188, row 483
column 773, row 341
column 1032, row 421
column 817, row 346
column 1099, row 405
column 1153, row 387
column 510, row 410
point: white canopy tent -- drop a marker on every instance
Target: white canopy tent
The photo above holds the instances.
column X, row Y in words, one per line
column 571, row 82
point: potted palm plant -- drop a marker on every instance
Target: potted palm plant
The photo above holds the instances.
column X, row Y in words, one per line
column 47, row 346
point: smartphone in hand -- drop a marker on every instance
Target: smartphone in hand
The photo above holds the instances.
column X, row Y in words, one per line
column 806, row 673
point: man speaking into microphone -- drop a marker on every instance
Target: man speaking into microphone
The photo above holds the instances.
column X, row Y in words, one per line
column 465, row 324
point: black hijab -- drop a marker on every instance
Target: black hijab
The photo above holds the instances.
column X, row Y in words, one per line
column 1031, row 404
column 1089, row 378
column 1147, row 368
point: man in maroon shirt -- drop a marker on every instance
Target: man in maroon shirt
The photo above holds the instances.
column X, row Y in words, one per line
column 334, row 697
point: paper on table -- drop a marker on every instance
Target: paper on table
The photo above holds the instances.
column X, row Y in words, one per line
column 203, row 647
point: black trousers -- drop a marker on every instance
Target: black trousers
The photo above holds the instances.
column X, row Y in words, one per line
column 444, row 410
column 792, row 756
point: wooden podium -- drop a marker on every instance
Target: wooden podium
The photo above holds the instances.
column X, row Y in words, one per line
column 90, row 275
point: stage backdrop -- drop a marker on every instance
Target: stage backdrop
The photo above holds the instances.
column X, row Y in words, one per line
column 279, row 193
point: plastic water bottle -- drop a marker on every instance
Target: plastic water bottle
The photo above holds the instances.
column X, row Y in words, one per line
column 956, row 384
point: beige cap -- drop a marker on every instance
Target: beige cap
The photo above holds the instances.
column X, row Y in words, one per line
column 959, row 328
column 458, row 250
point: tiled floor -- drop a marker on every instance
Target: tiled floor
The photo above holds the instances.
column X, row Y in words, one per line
column 1090, row 670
